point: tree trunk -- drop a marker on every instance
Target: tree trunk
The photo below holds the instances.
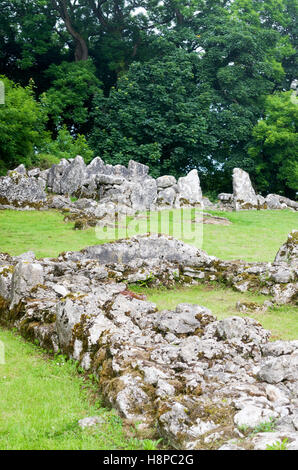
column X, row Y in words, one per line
column 81, row 50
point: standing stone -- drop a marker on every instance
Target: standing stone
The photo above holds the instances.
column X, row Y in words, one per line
column 21, row 169
column 73, row 176
column 55, row 174
column 189, row 190
column 243, row 192
column 288, row 252
column 95, row 167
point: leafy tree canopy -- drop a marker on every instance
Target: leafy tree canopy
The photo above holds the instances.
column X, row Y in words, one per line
column 22, row 125
column 275, row 146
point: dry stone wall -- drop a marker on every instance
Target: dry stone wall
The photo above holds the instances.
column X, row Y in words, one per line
column 198, row 380
column 109, row 188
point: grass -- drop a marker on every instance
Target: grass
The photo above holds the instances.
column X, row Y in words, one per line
column 42, row 399
column 45, row 233
column 281, row 321
column 252, row 236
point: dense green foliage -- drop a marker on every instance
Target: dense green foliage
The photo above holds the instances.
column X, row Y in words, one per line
column 175, row 84
column 276, row 144
column 162, row 121
column 22, row 122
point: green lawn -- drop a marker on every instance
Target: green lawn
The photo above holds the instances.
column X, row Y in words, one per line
column 252, row 236
column 41, row 401
column 281, row 321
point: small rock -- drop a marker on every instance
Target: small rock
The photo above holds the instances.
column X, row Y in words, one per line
column 91, row 421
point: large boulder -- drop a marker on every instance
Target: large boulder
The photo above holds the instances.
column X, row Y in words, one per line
column 244, row 195
column 144, row 247
column 275, row 201
column 55, row 174
column 21, row 191
column 165, row 181
column 73, row 176
column 26, row 275
column 189, row 190
column 166, row 197
column 143, row 194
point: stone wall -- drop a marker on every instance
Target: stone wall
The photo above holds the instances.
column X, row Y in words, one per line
column 124, row 189
column 196, row 379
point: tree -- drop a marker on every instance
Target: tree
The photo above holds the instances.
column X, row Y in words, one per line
column 279, row 16
column 69, row 98
column 275, row 146
column 29, row 41
column 22, row 122
column 156, row 115
column 65, row 146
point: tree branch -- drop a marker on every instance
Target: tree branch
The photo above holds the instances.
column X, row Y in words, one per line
column 81, row 51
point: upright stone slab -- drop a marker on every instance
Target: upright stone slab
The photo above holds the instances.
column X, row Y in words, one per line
column 288, row 252
column 189, row 190
column 73, row 176
column 55, row 174
column 243, row 193
column 143, row 194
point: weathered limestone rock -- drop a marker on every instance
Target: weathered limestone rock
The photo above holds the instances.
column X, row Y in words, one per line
column 251, row 416
column 6, row 272
column 73, row 176
column 137, row 171
column 143, row 194
column 244, row 196
column 21, row 169
column 288, row 252
column 25, row 276
column 145, row 247
column 166, row 197
column 55, row 175
column 21, row 191
column 279, row 348
column 264, row 439
column 165, row 181
column 189, row 190
column 194, row 378
column 187, row 318
column 245, row 328
column 275, row 201
column 279, row 369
